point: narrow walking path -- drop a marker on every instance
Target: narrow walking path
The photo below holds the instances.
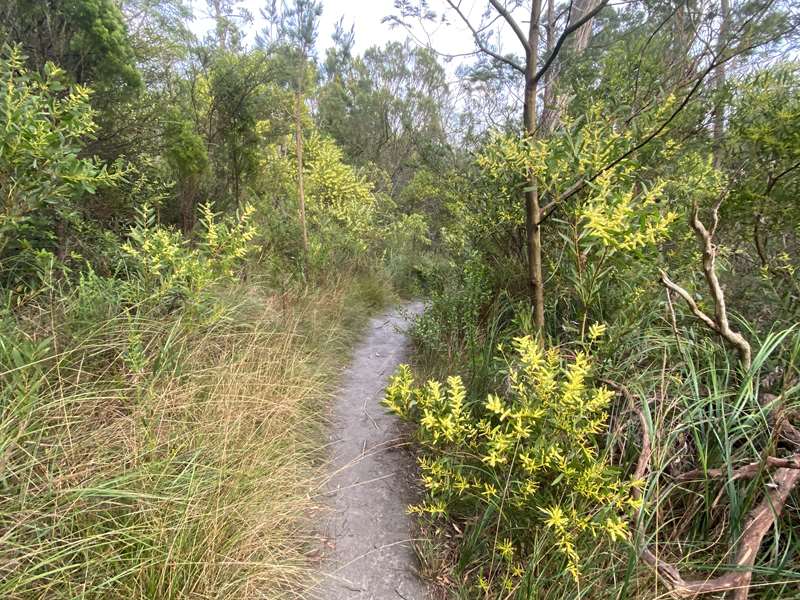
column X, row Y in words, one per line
column 370, row 556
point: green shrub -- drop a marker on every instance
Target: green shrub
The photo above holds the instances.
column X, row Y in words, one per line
column 44, row 176
column 168, row 269
column 533, row 455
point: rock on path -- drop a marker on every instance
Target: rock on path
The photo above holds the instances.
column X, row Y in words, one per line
column 369, row 555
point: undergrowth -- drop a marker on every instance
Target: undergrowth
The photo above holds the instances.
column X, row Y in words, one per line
column 167, row 455
column 488, row 524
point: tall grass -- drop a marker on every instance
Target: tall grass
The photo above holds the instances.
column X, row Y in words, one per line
column 163, row 456
column 701, row 412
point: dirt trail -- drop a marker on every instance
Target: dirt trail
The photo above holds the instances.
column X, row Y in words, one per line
column 369, row 554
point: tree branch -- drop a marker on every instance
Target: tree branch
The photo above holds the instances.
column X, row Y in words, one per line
column 551, row 207
column 759, row 522
column 480, row 43
column 514, row 25
column 569, row 30
column 708, row 321
column 746, row 472
column 719, row 324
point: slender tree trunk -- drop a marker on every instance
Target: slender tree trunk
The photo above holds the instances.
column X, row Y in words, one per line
column 554, row 105
column 221, row 27
column 551, row 103
column 719, row 84
column 532, row 208
column 61, row 240
column 301, row 194
column 584, row 33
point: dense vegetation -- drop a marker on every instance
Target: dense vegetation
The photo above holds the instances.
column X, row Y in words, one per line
column 169, row 326
column 602, row 210
column 620, row 316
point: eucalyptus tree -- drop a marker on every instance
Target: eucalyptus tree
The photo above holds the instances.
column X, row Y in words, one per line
column 524, row 20
column 294, row 27
column 228, row 15
column 388, row 107
column 557, row 69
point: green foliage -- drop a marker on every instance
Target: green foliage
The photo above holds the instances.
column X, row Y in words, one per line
column 340, row 204
column 338, row 196
column 100, row 40
column 406, row 252
column 387, row 108
column 185, row 149
column 168, row 269
column 44, row 176
column 87, row 38
column 532, row 456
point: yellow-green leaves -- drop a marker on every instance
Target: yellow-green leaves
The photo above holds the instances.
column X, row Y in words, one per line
column 44, row 175
column 336, row 191
column 167, row 266
column 536, row 449
column 625, row 217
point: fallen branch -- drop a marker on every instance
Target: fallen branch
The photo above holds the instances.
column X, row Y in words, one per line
column 759, row 521
column 746, row 472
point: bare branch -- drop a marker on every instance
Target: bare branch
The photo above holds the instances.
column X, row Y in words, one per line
column 708, row 321
column 748, row 471
column 776, row 178
column 705, row 236
column 480, row 43
column 759, row 522
column 513, row 24
column 569, row 30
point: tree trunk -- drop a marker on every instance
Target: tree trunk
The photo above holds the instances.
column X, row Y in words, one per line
column 719, row 84
column 554, row 104
column 62, row 240
column 301, row 195
column 550, row 103
column 532, row 208
column 583, row 35
column 220, row 23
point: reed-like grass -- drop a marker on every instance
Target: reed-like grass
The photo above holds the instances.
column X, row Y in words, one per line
column 161, row 455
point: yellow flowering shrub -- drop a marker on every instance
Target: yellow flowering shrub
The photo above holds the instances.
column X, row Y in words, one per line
column 337, row 192
column 166, row 266
column 533, row 453
column 340, row 202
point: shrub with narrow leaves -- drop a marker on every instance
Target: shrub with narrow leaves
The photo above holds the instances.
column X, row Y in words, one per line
column 533, row 454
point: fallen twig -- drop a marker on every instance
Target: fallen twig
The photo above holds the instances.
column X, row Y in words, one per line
column 746, row 472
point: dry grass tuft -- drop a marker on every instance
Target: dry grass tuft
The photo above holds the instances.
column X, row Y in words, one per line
column 160, row 458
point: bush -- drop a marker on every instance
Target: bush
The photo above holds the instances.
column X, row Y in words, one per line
column 44, row 177
column 532, row 455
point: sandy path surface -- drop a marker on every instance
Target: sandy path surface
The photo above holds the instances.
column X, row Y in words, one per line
column 369, row 551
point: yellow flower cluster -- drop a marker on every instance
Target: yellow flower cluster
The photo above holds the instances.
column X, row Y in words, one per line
column 534, row 450
column 168, row 264
column 336, row 190
column 623, row 219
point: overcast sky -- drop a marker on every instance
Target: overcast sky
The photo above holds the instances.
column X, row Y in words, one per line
column 367, row 16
